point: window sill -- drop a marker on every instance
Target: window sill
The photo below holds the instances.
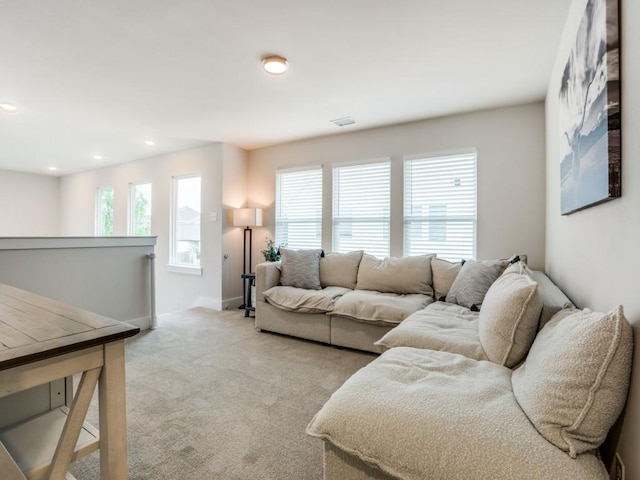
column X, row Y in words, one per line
column 185, row 269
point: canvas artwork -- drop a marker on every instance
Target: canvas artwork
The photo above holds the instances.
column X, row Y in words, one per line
column 590, row 111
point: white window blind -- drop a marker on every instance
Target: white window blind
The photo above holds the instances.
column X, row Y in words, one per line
column 299, row 208
column 361, row 199
column 440, row 206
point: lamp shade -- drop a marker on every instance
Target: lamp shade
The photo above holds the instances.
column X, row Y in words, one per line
column 247, row 217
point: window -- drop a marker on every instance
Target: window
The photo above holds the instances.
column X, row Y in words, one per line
column 361, row 198
column 299, row 208
column 185, row 222
column 140, row 209
column 104, row 212
column 440, row 206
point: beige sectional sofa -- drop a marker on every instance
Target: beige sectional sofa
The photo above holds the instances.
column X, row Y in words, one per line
column 497, row 375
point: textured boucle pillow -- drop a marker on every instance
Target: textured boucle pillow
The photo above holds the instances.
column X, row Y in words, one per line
column 473, row 281
column 300, row 268
column 444, row 273
column 574, row 382
column 396, row 274
column 508, row 321
column 340, row 269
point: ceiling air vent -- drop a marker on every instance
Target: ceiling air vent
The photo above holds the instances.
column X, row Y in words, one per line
column 341, row 122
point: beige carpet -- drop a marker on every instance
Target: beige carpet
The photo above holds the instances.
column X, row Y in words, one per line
column 209, row 397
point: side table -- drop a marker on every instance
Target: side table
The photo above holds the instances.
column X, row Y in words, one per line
column 248, row 280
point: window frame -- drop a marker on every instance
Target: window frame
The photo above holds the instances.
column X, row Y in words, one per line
column 131, row 224
column 174, row 265
column 314, row 222
column 408, row 220
column 99, row 217
column 384, row 220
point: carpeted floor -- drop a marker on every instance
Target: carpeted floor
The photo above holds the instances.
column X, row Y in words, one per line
column 210, row 397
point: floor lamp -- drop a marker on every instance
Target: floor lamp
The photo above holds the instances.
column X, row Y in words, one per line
column 247, row 218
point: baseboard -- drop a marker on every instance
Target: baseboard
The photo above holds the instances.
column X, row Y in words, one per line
column 232, row 303
column 143, row 323
column 207, row 302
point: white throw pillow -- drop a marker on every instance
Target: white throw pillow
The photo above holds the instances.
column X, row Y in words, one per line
column 508, row 321
column 575, row 380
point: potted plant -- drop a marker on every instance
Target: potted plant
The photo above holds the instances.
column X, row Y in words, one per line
column 271, row 253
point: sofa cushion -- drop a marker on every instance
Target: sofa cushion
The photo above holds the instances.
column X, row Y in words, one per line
column 509, row 317
column 304, row 300
column 473, row 281
column 377, row 307
column 553, row 299
column 300, row 268
column 419, row 414
column 574, row 382
column 444, row 273
column 441, row 326
column 396, row 274
column 340, row 269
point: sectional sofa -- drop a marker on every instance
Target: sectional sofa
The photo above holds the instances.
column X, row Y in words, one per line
column 488, row 370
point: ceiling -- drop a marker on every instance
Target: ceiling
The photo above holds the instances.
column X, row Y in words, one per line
column 100, row 77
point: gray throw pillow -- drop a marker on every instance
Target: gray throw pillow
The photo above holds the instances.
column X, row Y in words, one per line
column 473, row 281
column 300, row 268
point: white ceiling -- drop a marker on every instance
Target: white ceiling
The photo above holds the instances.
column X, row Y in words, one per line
column 101, row 76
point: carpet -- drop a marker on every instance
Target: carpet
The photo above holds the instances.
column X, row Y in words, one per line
column 210, row 397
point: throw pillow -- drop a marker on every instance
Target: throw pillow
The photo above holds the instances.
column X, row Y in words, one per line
column 340, row 269
column 300, row 268
column 444, row 273
column 574, row 382
column 473, row 281
column 396, row 274
column 508, row 321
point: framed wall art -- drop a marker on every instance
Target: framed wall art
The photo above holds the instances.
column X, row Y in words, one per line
column 590, row 111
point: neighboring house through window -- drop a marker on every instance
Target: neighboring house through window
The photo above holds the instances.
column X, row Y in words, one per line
column 299, row 207
column 140, row 209
column 185, row 223
column 361, row 206
column 440, row 212
column 104, row 212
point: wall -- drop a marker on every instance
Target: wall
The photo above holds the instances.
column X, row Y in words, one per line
column 175, row 291
column 510, row 146
column 593, row 255
column 28, row 204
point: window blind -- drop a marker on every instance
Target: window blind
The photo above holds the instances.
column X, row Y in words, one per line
column 299, row 208
column 361, row 199
column 440, row 206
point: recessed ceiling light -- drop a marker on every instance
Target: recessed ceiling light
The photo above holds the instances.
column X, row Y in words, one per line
column 97, row 157
column 275, row 64
column 149, row 143
column 8, row 107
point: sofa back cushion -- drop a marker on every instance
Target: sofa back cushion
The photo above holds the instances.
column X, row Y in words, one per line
column 340, row 269
column 574, row 382
column 300, row 268
column 508, row 321
column 444, row 273
column 396, row 274
column 473, row 281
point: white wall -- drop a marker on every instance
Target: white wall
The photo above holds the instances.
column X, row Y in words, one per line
column 593, row 255
column 175, row 291
column 511, row 178
column 28, row 204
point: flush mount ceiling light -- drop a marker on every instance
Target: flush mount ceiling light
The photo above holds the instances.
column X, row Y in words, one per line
column 275, row 64
column 149, row 143
column 52, row 169
column 97, row 157
column 8, row 107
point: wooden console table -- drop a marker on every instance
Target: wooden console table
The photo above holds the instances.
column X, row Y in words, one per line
column 42, row 340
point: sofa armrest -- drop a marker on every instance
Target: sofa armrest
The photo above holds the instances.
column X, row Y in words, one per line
column 267, row 276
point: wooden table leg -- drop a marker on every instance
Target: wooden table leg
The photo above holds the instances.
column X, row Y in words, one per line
column 113, row 414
